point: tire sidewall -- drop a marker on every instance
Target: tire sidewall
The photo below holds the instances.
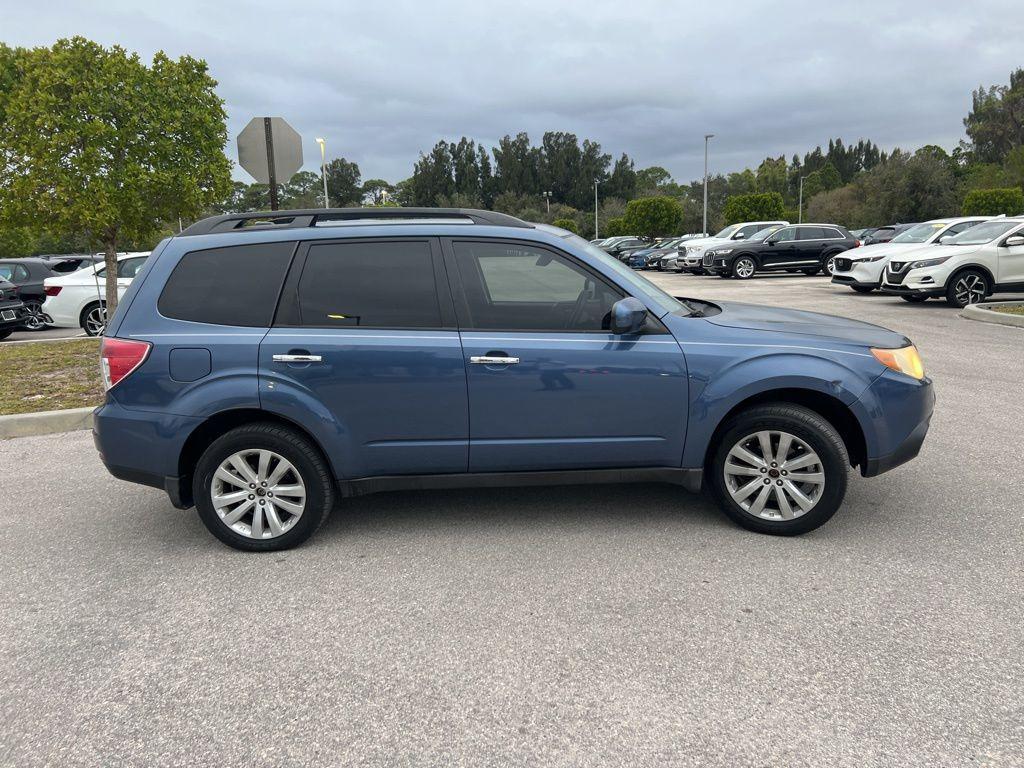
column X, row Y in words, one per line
column 735, row 267
column 810, row 428
column 319, row 496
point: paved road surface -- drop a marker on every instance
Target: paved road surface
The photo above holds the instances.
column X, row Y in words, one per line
column 585, row 626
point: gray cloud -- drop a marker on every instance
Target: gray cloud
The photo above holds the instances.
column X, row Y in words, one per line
column 384, row 81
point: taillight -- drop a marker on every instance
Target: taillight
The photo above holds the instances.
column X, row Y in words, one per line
column 52, row 290
column 119, row 357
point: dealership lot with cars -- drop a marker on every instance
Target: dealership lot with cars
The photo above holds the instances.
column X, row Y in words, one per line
column 600, row 615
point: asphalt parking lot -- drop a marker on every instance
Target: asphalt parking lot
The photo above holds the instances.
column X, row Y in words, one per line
column 577, row 626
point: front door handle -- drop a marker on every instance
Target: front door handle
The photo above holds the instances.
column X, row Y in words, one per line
column 492, row 360
column 297, row 358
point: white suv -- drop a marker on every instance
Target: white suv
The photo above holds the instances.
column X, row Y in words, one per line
column 690, row 260
column 863, row 272
column 988, row 258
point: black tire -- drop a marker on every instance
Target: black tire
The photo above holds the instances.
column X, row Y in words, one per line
column 974, row 281
column 914, row 299
column 810, row 272
column 87, row 323
column 306, row 459
column 34, row 321
column 725, row 275
column 743, row 267
column 862, row 288
column 807, row 426
column 5, row 333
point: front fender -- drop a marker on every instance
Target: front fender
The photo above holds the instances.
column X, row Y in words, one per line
column 715, row 393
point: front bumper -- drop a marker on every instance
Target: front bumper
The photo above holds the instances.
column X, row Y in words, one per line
column 895, row 412
column 908, row 290
column 852, row 282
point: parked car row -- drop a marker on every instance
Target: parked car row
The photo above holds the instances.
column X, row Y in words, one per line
column 78, row 299
column 964, row 260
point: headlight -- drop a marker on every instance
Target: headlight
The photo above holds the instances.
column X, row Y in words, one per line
column 905, row 360
column 866, row 259
column 930, row 262
column 693, row 249
column 723, row 252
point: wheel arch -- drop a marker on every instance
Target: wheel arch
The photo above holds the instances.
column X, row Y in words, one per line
column 218, row 423
column 977, row 267
column 829, row 407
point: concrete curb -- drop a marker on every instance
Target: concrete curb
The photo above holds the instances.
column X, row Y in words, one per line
column 45, row 422
column 985, row 314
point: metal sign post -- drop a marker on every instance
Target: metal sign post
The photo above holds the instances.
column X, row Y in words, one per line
column 271, row 151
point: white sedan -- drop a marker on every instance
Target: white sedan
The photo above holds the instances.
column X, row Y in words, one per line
column 77, row 299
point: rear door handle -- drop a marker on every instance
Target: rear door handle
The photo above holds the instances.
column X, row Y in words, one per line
column 490, row 360
column 297, row 358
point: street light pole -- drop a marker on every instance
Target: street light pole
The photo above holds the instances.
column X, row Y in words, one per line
column 707, row 137
column 595, row 210
column 323, row 168
column 547, row 200
column 800, row 204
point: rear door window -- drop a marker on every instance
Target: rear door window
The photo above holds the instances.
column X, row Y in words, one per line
column 238, row 285
column 383, row 284
column 811, row 233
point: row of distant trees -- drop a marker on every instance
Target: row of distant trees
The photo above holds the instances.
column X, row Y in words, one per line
column 100, row 150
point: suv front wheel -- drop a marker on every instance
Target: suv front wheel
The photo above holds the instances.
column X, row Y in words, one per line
column 967, row 287
column 262, row 487
column 744, row 268
column 779, row 469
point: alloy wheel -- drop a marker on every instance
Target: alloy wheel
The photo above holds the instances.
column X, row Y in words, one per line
column 96, row 321
column 744, row 268
column 36, row 319
column 258, row 494
column 774, row 475
column 970, row 289
column 830, row 265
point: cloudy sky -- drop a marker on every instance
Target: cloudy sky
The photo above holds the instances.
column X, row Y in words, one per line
column 383, row 81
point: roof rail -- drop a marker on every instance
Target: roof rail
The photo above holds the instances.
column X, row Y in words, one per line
column 310, row 217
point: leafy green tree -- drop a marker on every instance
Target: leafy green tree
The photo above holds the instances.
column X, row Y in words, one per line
column 569, row 224
column 995, row 124
column 344, row 187
column 615, row 227
column 377, row 191
column 992, row 202
column 764, row 205
column 623, row 180
column 516, row 166
column 94, row 141
column 653, row 216
column 651, row 180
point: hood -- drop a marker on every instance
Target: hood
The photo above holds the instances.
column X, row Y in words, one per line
column 761, row 318
column 884, row 249
column 704, row 242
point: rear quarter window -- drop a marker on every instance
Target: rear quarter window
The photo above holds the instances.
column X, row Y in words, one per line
column 238, row 285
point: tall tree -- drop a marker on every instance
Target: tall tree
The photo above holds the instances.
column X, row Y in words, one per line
column 344, row 187
column 995, row 124
column 92, row 140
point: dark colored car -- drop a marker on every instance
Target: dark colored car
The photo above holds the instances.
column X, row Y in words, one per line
column 650, row 258
column 65, row 263
column 28, row 275
column 623, row 248
column 12, row 310
column 807, row 248
column 885, row 234
column 262, row 372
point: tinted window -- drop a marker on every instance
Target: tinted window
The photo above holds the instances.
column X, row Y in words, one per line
column 377, row 285
column 956, row 229
column 784, row 235
column 6, row 272
column 227, row 286
column 516, row 286
column 750, row 229
column 810, row 233
column 129, row 267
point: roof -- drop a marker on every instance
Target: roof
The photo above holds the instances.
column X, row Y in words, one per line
column 312, row 217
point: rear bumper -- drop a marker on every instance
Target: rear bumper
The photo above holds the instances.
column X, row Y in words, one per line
column 12, row 315
column 144, row 447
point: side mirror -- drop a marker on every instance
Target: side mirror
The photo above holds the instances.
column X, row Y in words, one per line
column 628, row 316
column 1013, row 241
column 944, row 238
column 739, row 236
column 770, row 241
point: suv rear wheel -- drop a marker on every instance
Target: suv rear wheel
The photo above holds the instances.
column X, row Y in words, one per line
column 967, row 287
column 262, row 487
column 779, row 469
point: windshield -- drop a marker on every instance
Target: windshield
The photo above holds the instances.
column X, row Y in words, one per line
column 920, row 233
column 728, row 231
column 6, row 272
column 626, row 276
column 983, row 233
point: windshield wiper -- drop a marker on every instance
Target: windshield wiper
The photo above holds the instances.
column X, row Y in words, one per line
column 695, row 309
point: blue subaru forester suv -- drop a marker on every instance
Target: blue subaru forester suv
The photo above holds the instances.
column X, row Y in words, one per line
column 263, row 365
